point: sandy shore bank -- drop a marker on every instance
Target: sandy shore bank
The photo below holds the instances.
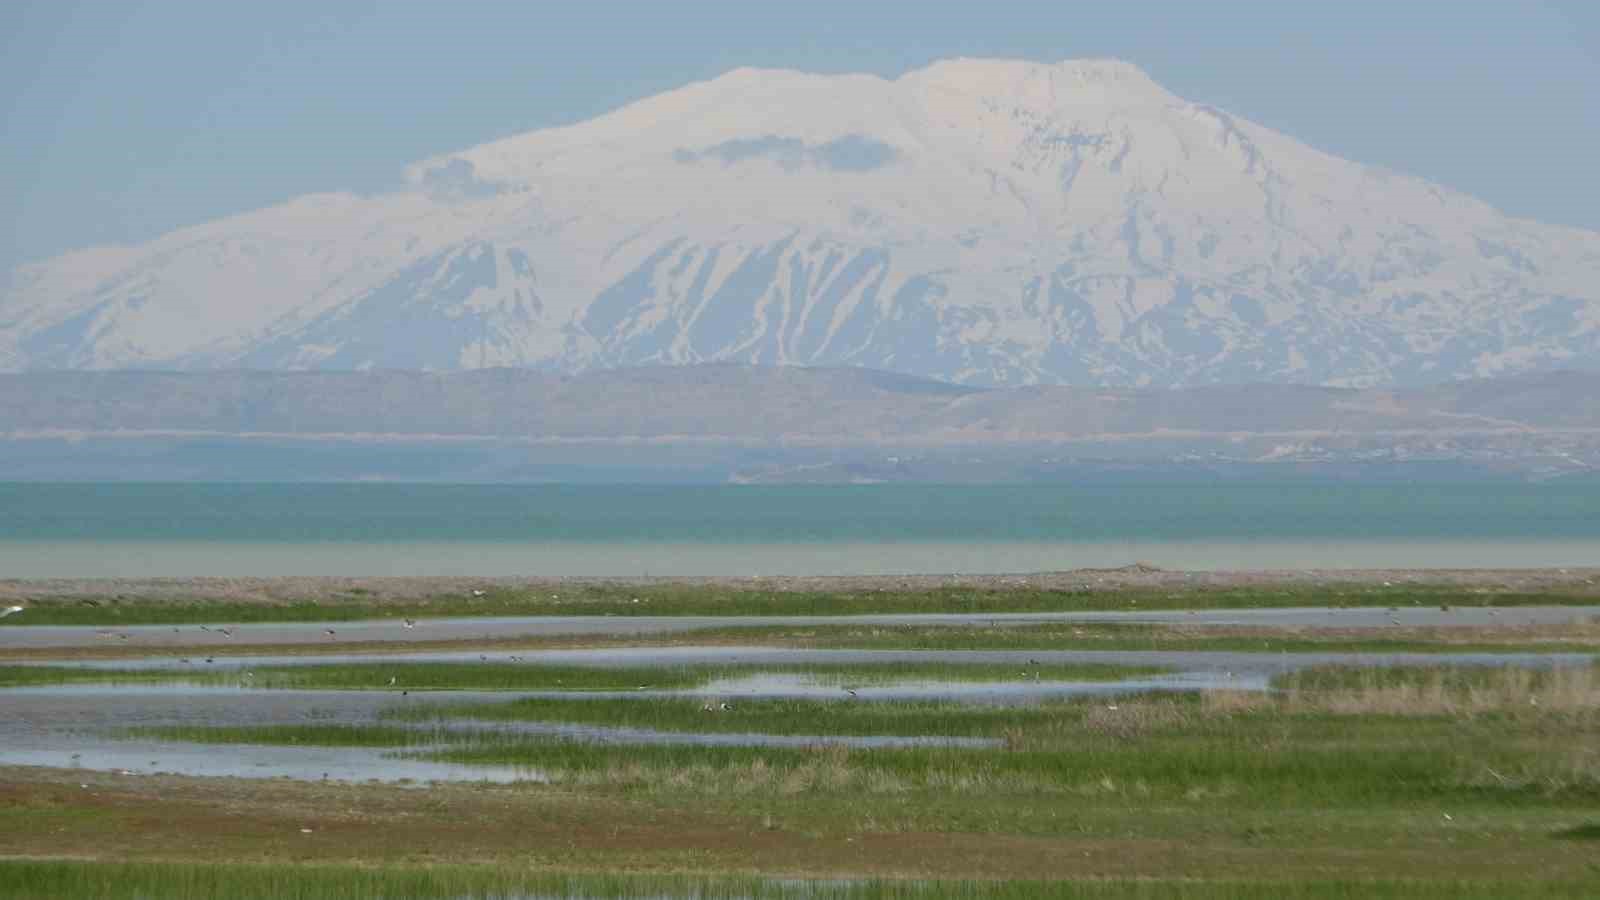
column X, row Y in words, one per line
column 287, row 588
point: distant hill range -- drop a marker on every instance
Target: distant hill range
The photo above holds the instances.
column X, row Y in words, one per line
column 776, row 423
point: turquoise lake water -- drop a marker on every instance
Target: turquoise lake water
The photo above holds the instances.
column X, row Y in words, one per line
column 131, row 530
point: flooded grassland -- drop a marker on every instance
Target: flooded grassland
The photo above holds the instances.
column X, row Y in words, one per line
column 1400, row 740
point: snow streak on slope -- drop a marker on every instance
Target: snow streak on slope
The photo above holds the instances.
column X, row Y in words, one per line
column 980, row 221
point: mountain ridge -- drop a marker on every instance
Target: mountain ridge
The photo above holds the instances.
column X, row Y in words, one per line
column 977, row 221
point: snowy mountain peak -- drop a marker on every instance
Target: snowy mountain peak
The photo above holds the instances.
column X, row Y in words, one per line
column 982, row 221
column 1043, row 86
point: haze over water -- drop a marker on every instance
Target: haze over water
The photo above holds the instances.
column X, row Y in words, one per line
column 159, row 530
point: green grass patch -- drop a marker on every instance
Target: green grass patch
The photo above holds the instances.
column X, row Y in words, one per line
column 38, row 676
column 1178, row 772
column 53, row 879
column 719, row 600
column 1459, row 679
column 1588, row 831
column 309, row 735
column 531, row 676
column 763, row 716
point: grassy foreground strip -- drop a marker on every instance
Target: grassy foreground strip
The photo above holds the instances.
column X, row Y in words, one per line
column 723, row 600
column 50, row 880
column 484, row 676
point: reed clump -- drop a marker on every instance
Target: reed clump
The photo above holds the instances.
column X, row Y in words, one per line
column 1573, row 690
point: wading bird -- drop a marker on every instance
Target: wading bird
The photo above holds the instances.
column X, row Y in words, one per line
column 409, row 623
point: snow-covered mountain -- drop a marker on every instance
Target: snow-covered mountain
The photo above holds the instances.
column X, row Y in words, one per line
column 979, row 221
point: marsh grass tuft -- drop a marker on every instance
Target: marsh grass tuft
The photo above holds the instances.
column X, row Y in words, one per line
column 1446, row 691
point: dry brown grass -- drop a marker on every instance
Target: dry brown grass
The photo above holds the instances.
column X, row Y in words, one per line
column 1508, row 690
column 1429, row 692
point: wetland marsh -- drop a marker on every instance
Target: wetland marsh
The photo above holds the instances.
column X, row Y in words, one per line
column 1288, row 740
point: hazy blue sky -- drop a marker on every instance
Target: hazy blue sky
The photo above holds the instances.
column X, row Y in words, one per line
column 126, row 119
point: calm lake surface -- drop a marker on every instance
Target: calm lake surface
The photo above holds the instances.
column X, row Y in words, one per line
column 147, row 530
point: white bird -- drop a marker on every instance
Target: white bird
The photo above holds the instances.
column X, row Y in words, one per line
column 477, row 593
column 329, row 632
column 409, row 623
column 391, row 681
column 9, row 611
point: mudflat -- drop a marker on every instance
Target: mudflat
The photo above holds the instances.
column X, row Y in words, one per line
column 379, row 588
